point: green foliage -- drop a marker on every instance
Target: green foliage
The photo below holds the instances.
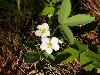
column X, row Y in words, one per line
column 90, row 60
column 64, row 21
column 48, row 57
column 32, row 46
column 85, row 62
column 81, row 46
column 96, row 64
column 7, row 5
column 63, row 14
column 31, row 57
column 48, row 11
column 68, row 55
column 67, row 33
column 98, row 70
column 64, row 11
column 79, row 19
column 93, row 56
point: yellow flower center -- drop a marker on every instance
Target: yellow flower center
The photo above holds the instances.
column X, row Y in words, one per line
column 49, row 44
column 43, row 30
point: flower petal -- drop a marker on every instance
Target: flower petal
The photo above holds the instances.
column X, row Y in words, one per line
column 39, row 26
column 55, row 47
column 45, row 25
column 45, row 40
column 49, row 50
column 38, row 33
column 54, row 40
column 45, row 34
column 43, row 46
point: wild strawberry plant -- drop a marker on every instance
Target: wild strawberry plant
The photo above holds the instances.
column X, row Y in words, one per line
column 59, row 18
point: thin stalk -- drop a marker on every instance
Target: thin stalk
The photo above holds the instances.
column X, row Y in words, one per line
column 18, row 4
column 55, row 30
column 96, row 29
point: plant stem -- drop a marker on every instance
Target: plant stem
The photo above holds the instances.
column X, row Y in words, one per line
column 96, row 29
column 55, row 30
column 18, row 4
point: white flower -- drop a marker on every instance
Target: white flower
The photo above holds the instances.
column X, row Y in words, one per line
column 49, row 44
column 43, row 30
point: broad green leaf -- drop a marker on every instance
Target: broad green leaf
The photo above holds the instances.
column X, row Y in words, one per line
column 98, row 70
column 48, row 57
column 81, row 46
column 32, row 46
column 93, row 56
column 85, row 62
column 55, row 1
column 7, row 5
column 67, row 33
column 79, row 19
column 68, row 55
column 64, row 11
column 31, row 57
column 96, row 64
column 48, row 10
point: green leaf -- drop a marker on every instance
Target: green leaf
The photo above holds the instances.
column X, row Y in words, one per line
column 98, row 70
column 96, row 64
column 81, row 46
column 7, row 5
column 31, row 57
column 85, row 62
column 55, row 1
column 64, row 11
column 68, row 55
column 48, row 57
column 79, row 19
column 32, row 46
column 93, row 56
column 48, row 10
column 67, row 33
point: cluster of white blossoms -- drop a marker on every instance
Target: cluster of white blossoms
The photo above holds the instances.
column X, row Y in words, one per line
column 47, row 44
